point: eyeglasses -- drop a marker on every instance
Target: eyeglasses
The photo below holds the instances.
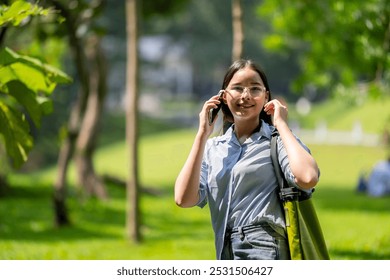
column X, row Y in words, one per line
column 253, row 91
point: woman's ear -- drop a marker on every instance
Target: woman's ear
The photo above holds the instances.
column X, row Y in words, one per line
column 223, row 97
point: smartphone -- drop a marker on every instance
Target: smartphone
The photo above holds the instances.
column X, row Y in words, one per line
column 214, row 111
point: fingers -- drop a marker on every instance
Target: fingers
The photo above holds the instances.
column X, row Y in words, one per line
column 214, row 101
column 273, row 105
column 277, row 110
column 206, row 123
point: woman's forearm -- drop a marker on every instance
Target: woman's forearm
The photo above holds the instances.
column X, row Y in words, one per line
column 187, row 182
column 302, row 164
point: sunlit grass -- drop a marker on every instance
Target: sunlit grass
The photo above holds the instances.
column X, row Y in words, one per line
column 341, row 115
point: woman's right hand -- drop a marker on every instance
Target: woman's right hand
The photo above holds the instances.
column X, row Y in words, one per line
column 205, row 128
column 187, row 182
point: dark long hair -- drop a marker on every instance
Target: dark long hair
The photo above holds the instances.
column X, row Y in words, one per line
column 238, row 65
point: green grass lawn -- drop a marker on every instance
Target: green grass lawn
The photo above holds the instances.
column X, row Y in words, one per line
column 355, row 226
column 338, row 114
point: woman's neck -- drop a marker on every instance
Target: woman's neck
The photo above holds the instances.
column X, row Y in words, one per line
column 245, row 129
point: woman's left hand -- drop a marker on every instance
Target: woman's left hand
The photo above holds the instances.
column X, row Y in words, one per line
column 302, row 164
column 276, row 109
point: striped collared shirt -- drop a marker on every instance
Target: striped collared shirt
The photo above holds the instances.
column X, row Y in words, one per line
column 239, row 184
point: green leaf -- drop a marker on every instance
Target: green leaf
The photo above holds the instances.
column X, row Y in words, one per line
column 45, row 104
column 27, row 98
column 15, row 129
column 19, row 11
column 35, row 74
column 32, row 78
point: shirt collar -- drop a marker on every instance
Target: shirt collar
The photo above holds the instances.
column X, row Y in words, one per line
column 265, row 131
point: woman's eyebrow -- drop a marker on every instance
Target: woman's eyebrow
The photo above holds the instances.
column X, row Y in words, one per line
column 252, row 84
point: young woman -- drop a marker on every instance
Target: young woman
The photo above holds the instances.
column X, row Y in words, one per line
column 233, row 172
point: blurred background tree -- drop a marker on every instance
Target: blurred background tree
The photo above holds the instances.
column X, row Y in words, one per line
column 341, row 45
column 133, row 214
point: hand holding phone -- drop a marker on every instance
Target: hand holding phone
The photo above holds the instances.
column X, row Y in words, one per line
column 214, row 111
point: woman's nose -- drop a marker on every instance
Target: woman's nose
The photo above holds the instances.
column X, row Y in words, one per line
column 246, row 94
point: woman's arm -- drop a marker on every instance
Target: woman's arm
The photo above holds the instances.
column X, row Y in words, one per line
column 187, row 183
column 302, row 164
column 188, row 180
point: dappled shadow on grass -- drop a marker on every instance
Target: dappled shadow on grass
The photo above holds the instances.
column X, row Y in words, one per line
column 27, row 214
column 163, row 220
column 160, row 226
column 36, row 233
column 342, row 198
column 169, row 232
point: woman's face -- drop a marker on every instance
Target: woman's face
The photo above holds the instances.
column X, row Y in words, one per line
column 245, row 95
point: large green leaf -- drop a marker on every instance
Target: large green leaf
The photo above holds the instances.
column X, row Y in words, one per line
column 14, row 128
column 33, row 79
column 35, row 74
column 27, row 98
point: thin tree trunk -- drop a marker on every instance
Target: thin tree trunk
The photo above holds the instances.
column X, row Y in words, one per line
column 4, row 169
column 78, row 108
column 238, row 33
column 64, row 157
column 3, row 185
column 133, row 215
column 86, row 141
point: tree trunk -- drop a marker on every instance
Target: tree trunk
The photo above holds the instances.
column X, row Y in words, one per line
column 3, row 185
column 77, row 111
column 60, row 190
column 86, row 141
column 238, row 33
column 4, row 169
column 132, row 215
column 64, row 157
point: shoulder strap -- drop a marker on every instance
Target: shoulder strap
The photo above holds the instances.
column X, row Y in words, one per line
column 275, row 161
column 285, row 191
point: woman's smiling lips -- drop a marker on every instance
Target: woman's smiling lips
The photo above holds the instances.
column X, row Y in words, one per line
column 245, row 106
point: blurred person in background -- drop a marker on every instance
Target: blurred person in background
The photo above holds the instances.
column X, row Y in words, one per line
column 378, row 183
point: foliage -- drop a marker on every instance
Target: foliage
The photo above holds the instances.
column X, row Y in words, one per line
column 339, row 41
column 26, row 84
column 19, row 11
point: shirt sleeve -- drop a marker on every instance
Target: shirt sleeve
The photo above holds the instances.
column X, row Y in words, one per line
column 203, row 183
column 285, row 163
